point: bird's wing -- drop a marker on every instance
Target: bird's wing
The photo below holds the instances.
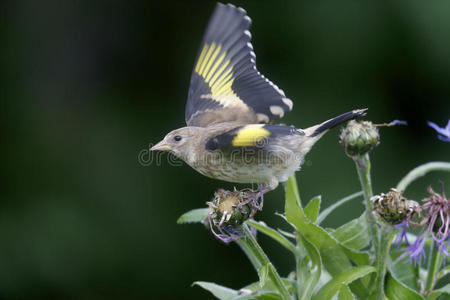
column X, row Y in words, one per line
column 225, row 84
column 251, row 135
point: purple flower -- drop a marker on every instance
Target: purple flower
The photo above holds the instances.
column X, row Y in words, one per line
column 402, row 234
column 415, row 251
column 435, row 224
column 438, row 218
column 443, row 133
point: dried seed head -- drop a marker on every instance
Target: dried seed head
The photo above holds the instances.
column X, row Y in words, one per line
column 230, row 208
column 359, row 137
column 393, row 207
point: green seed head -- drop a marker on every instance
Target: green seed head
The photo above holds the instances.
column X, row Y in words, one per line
column 359, row 137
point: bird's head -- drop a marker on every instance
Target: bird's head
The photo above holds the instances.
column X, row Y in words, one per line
column 180, row 142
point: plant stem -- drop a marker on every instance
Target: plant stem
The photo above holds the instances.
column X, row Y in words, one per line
column 363, row 168
column 421, row 171
column 259, row 259
column 387, row 234
column 381, row 243
column 251, row 256
column 300, row 278
column 433, row 267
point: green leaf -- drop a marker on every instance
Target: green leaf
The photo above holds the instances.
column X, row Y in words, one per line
column 443, row 272
column 440, row 294
column 337, row 204
column 194, row 216
column 268, row 296
column 395, row 290
column 354, row 234
column 333, row 256
column 262, row 227
column 334, row 285
column 360, row 258
column 312, row 208
column 263, row 273
column 287, row 234
column 255, row 287
column 308, row 271
column 255, row 291
column 293, row 206
column 219, row 291
column 258, row 258
column 259, row 296
column 345, row 293
column 406, row 273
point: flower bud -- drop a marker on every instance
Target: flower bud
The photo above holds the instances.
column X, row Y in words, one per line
column 393, row 207
column 230, row 208
column 359, row 137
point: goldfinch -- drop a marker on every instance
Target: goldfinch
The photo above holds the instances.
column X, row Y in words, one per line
column 229, row 107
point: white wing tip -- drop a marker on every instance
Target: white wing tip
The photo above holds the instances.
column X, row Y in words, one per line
column 288, row 102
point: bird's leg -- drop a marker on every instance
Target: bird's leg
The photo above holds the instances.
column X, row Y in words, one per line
column 270, row 186
column 263, row 188
column 261, row 194
column 258, row 194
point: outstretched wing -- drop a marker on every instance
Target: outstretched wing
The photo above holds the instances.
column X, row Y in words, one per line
column 225, row 84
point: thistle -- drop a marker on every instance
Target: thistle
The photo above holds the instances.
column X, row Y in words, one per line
column 228, row 210
column 359, row 137
column 393, row 208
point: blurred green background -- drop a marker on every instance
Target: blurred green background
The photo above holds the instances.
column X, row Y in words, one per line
column 87, row 85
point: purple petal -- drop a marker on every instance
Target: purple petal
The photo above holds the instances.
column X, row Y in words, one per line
column 443, row 249
column 398, row 122
column 444, row 138
column 443, row 133
column 416, row 251
column 436, row 127
column 402, row 234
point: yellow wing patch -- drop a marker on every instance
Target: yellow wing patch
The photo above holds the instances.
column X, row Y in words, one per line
column 249, row 135
column 218, row 75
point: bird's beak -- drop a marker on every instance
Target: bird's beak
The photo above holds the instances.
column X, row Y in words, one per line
column 161, row 146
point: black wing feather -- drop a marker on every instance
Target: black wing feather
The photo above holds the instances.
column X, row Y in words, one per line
column 225, row 75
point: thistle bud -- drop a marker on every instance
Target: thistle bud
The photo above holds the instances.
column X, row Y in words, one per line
column 359, row 137
column 393, row 207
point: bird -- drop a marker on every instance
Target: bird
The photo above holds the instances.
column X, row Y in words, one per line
column 230, row 109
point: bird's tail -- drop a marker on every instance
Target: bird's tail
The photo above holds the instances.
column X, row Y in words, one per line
column 321, row 128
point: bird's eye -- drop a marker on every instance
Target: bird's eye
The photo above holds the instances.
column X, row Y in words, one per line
column 177, row 138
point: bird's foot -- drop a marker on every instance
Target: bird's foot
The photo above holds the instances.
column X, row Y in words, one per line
column 258, row 197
